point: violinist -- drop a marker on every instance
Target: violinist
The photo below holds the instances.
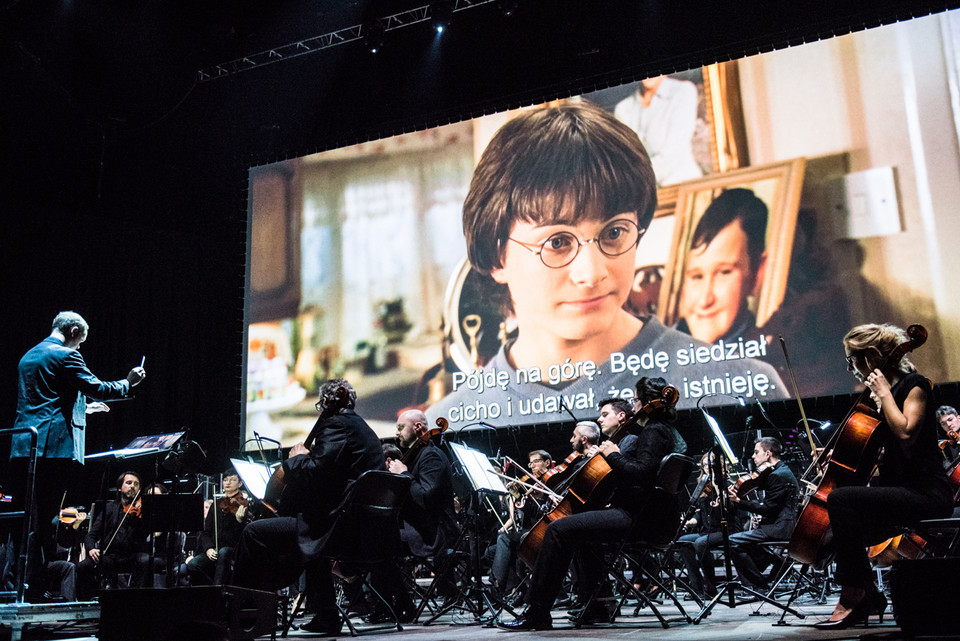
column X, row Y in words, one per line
column 428, row 522
column 777, row 511
column 222, row 526
column 117, row 541
column 521, row 514
column 701, row 526
column 911, row 484
column 949, row 422
column 635, row 467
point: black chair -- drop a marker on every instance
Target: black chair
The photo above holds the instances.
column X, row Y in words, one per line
column 663, row 513
column 366, row 532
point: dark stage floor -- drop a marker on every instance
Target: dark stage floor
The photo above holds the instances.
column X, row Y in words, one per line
column 743, row 622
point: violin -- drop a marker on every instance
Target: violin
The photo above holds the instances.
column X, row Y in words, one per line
column 230, row 504
column 423, row 439
column 753, row 481
column 72, row 515
column 134, row 509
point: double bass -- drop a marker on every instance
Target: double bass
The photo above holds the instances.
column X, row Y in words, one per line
column 591, row 487
column 848, row 459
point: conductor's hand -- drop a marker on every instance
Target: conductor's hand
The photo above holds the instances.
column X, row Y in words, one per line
column 397, row 467
column 94, row 554
column 212, row 554
column 298, row 449
column 93, row 408
column 136, row 375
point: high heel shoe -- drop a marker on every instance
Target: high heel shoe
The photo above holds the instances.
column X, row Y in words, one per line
column 878, row 604
column 860, row 613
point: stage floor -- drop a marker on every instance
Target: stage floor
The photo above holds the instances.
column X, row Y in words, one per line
column 723, row 623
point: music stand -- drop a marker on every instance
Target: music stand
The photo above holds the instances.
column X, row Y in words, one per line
column 721, row 454
column 476, row 467
column 170, row 513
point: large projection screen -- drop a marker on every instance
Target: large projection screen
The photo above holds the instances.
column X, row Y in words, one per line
column 845, row 151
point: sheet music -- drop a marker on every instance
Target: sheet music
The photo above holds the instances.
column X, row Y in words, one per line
column 478, row 468
column 255, row 476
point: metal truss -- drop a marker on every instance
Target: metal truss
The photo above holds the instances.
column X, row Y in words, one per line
column 327, row 40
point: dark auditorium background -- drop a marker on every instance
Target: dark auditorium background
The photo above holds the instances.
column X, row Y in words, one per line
column 123, row 191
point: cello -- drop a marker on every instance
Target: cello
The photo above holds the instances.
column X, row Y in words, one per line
column 848, row 459
column 592, row 485
column 278, row 499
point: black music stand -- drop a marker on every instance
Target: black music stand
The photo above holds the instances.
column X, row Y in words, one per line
column 721, row 454
column 475, row 597
column 170, row 513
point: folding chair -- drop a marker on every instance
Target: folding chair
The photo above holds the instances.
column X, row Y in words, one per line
column 661, row 509
column 366, row 531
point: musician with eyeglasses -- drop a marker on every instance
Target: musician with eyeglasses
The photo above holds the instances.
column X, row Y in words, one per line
column 556, row 211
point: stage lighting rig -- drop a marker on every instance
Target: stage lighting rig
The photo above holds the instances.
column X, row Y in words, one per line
column 441, row 12
column 373, row 35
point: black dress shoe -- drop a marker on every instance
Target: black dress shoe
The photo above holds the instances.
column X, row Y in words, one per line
column 595, row 614
column 328, row 626
column 527, row 622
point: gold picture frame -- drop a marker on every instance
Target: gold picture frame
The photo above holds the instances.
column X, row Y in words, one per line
column 778, row 185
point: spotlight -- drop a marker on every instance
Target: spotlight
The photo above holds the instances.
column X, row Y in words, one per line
column 373, row 35
column 507, row 7
column 440, row 14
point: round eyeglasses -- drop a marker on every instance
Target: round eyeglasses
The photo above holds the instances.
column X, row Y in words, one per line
column 560, row 249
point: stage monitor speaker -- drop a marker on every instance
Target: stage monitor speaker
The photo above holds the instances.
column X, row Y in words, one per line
column 923, row 597
column 149, row 614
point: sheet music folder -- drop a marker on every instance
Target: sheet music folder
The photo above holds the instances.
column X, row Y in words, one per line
column 142, row 445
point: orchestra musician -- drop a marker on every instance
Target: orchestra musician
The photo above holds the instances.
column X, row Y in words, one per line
column 117, row 540
column 777, row 510
column 949, row 422
column 222, row 527
column 522, row 512
column 428, row 523
column 702, row 530
column 635, row 466
column 911, row 483
column 273, row 551
column 52, row 390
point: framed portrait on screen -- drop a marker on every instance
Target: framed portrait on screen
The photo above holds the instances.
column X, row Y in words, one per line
column 730, row 254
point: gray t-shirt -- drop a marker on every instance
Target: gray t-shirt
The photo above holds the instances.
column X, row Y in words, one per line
column 501, row 395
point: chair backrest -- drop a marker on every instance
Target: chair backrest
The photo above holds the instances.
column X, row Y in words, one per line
column 366, row 526
column 659, row 520
column 674, row 471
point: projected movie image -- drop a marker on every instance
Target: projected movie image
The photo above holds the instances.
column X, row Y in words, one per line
column 518, row 268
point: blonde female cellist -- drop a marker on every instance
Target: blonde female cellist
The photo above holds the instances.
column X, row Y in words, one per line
column 911, row 485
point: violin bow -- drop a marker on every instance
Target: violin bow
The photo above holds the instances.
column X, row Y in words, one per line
column 120, row 524
column 796, row 392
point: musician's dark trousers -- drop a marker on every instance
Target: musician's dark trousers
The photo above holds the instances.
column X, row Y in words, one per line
column 136, row 563
column 203, row 571
column 694, row 550
column 269, row 558
column 864, row 516
column 744, row 546
column 52, row 477
column 564, row 537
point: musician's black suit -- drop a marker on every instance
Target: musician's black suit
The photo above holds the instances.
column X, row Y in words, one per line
column 127, row 551
column 273, row 551
column 635, row 471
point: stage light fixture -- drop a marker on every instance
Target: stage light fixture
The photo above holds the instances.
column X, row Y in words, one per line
column 507, row 7
column 373, row 35
column 440, row 14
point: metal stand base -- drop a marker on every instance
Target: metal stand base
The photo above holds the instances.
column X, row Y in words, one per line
column 18, row 615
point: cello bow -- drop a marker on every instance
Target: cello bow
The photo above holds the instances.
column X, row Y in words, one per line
column 796, row 393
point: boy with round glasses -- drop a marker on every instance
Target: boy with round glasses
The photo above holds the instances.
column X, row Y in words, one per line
column 556, row 210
